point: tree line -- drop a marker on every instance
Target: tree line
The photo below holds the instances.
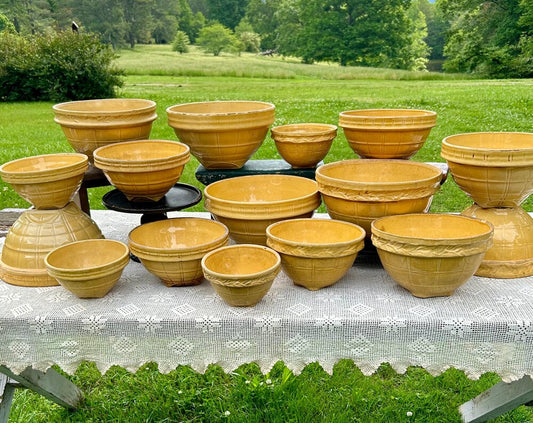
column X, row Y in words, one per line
column 493, row 38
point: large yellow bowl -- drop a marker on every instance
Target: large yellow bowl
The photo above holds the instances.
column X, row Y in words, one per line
column 222, row 134
column 303, row 145
column 247, row 205
column 89, row 124
column 431, row 255
column 316, row 253
column 34, row 234
column 143, row 170
column 89, row 268
column 360, row 191
column 241, row 274
column 172, row 249
column 387, row 133
column 48, row 181
column 494, row 168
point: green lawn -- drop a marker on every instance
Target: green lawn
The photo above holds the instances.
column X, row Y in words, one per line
column 301, row 93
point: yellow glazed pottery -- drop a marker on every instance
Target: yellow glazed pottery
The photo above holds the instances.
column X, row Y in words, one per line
column 511, row 254
column 315, row 253
column 248, row 204
column 172, row 249
column 241, row 274
column 89, row 268
column 34, row 234
column 431, row 255
column 387, row 133
column 48, row 181
column 89, row 124
column 494, row 168
column 222, row 134
column 143, row 170
column 303, row 145
column 359, row 191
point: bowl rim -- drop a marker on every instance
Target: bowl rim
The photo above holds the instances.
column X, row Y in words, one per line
column 323, row 179
column 256, row 203
column 182, row 156
column 255, row 275
column 60, row 108
column 285, row 130
column 76, row 168
column 137, row 246
column 312, row 221
column 172, row 110
column 109, row 267
column 412, row 113
column 431, row 240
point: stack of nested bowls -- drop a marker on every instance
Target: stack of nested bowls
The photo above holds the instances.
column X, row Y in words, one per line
column 48, row 182
column 222, row 134
column 143, row 170
column 496, row 170
column 89, row 124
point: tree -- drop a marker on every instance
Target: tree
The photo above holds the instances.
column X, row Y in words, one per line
column 6, row 24
column 488, row 37
column 228, row 12
column 251, row 41
column 262, row 17
column 181, row 42
column 217, row 38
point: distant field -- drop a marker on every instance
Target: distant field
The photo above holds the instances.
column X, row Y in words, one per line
column 301, row 93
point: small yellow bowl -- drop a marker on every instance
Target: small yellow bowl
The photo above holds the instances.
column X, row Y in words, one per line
column 89, row 268
column 241, row 274
column 431, row 255
column 248, row 204
column 303, row 145
column 387, row 133
column 172, row 249
column 316, row 253
column 143, row 170
column 222, row 134
column 89, row 124
column 48, row 181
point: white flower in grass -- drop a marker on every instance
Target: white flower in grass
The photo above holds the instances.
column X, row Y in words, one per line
column 227, row 413
column 268, row 381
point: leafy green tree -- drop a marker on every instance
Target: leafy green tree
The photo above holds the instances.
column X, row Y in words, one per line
column 6, row 24
column 228, row 12
column 139, row 21
column 488, row 37
column 262, row 16
column 217, row 38
column 105, row 17
column 251, row 41
column 28, row 16
column 181, row 42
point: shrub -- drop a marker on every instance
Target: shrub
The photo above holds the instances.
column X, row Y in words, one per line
column 57, row 67
column 181, row 42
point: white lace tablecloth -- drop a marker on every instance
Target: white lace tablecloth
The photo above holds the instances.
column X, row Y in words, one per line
column 486, row 326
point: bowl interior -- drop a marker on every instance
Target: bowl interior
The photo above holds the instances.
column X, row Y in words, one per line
column 220, row 107
column 261, row 188
column 379, row 171
column 104, row 106
column 432, row 226
column 241, row 260
column 492, row 141
column 176, row 234
column 316, row 231
column 300, row 129
column 87, row 254
column 42, row 163
column 140, row 151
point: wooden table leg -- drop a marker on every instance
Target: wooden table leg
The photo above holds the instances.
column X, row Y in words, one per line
column 499, row 399
column 50, row 384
